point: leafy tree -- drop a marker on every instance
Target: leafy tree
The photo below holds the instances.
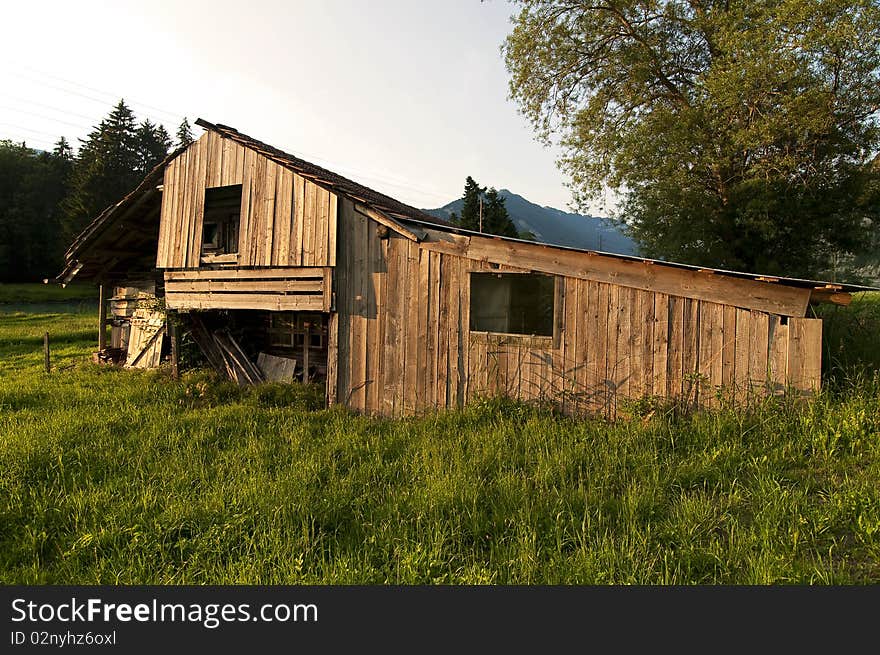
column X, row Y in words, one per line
column 184, row 133
column 32, row 185
column 477, row 202
column 738, row 133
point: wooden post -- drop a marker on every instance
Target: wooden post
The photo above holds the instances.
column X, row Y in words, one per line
column 102, row 319
column 46, row 353
column 305, row 352
column 174, row 335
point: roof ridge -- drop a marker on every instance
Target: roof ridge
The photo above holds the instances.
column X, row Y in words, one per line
column 339, row 183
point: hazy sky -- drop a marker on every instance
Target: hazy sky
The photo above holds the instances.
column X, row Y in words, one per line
column 406, row 97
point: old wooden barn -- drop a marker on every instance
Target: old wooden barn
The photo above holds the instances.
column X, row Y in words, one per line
column 281, row 269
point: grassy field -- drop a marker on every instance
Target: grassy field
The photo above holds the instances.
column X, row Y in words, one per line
column 48, row 293
column 110, row 476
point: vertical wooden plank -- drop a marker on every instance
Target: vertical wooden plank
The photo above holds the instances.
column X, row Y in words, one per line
column 362, row 299
column 376, row 329
column 309, row 225
column 586, row 308
column 777, row 358
column 215, row 160
column 637, row 313
column 282, row 212
column 273, row 176
column 613, row 372
column 322, row 203
column 181, row 210
column 716, row 369
column 102, row 318
column 758, row 349
column 805, row 354
column 227, row 168
column 741, row 368
column 410, row 347
column 195, row 196
column 421, row 346
column 391, row 319
column 453, row 321
column 258, row 207
column 433, row 329
column 647, row 344
column 464, row 313
column 676, row 347
column 333, row 359
column 599, row 347
column 299, row 201
column 690, row 358
column 165, row 217
column 660, row 345
column 728, row 348
column 372, row 349
column 333, row 219
column 244, row 230
column 342, row 275
column 343, row 308
column 565, row 311
column 198, row 212
column 711, row 349
column 443, row 332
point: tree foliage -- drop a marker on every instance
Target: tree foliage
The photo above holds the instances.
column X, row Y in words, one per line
column 484, row 211
column 46, row 199
column 111, row 162
column 184, row 133
column 738, row 133
column 32, row 185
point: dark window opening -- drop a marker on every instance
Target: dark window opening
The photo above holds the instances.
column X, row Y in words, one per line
column 512, row 303
column 222, row 217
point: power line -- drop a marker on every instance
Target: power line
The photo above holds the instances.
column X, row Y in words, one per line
column 49, row 118
column 172, row 114
column 53, row 108
column 27, row 129
column 103, row 102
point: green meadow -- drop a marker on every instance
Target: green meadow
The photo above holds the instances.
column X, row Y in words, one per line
column 129, row 477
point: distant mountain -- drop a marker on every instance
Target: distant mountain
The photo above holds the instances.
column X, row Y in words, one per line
column 555, row 226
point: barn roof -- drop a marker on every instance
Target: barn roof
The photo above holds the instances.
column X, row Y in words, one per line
column 118, row 237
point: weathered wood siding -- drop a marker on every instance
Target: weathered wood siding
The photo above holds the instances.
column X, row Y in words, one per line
column 405, row 345
column 285, row 219
column 278, row 289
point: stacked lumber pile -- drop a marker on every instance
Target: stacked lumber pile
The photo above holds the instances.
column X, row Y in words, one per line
column 225, row 355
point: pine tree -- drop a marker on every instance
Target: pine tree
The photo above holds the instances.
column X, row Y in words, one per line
column 483, row 211
column 63, row 151
column 495, row 218
column 153, row 144
column 106, row 169
column 184, row 133
column 470, row 209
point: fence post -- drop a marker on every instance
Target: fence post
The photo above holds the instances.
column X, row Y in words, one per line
column 102, row 319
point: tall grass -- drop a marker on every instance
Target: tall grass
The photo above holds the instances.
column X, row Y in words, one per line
column 110, row 476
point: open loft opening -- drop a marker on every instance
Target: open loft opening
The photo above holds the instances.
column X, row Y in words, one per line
column 221, row 221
